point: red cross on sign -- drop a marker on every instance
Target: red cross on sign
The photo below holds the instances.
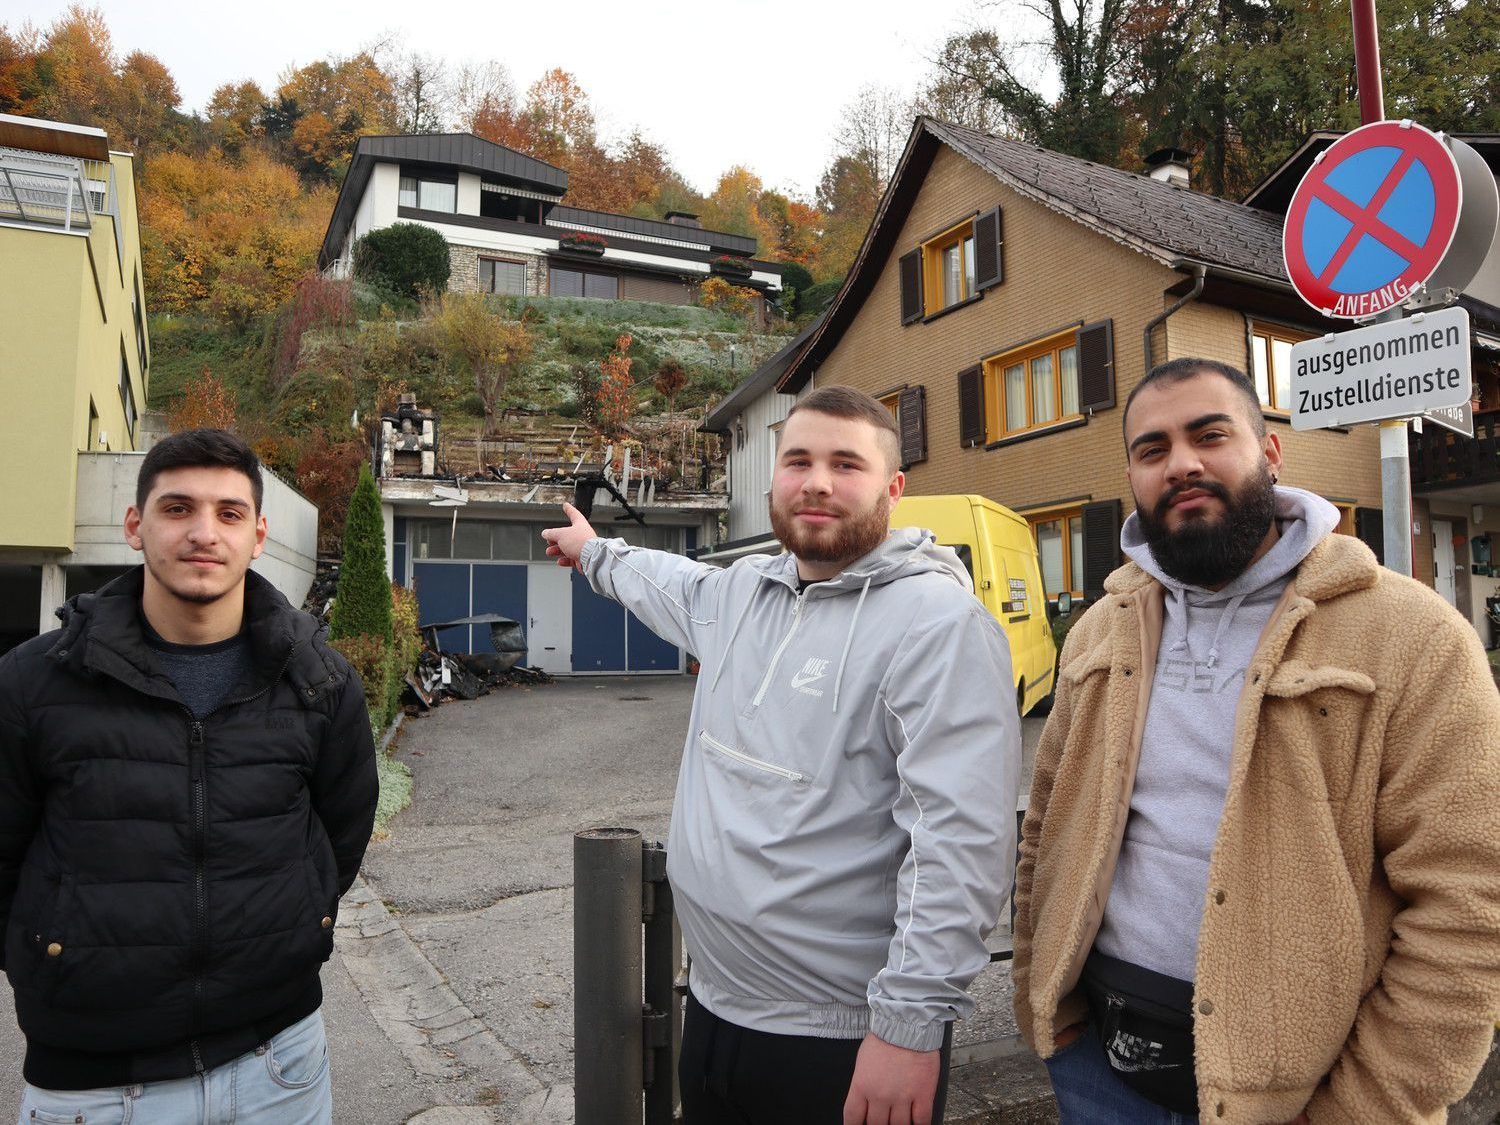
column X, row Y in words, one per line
column 1372, row 219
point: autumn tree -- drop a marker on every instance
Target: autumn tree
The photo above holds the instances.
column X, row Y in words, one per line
column 326, row 473
column 206, row 404
column 324, row 107
column 616, row 390
column 492, row 347
column 228, row 238
column 847, row 197
column 671, row 379
column 20, row 84
column 232, row 117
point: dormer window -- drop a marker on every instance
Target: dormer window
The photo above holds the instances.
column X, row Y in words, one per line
column 428, row 195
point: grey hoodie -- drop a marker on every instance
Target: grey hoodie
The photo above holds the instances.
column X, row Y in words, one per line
column 1155, row 906
column 844, row 829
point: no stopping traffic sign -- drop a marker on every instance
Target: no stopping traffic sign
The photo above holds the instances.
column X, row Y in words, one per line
column 1372, row 219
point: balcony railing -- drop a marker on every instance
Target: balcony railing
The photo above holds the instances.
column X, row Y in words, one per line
column 1443, row 459
column 54, row 192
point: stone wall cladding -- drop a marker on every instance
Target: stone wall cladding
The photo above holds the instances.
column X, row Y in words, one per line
column 463, row 268
column 1058, row 275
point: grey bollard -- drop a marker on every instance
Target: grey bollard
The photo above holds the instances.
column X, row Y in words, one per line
column 607, row 1029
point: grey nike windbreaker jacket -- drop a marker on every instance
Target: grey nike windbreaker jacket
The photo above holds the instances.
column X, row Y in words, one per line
column 844, row 828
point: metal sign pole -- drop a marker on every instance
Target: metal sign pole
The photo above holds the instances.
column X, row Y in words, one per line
column 1395, row 463
column 1395, row 494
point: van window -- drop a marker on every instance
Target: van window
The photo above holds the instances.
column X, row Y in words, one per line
column 965, row 556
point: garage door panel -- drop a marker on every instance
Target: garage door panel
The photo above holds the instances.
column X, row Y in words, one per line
column 648, row 652
column 598, row 630
column 442, row 595
column 498, row 588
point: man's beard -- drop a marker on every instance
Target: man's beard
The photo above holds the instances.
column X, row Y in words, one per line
column 1210, row 553
column 853, row 536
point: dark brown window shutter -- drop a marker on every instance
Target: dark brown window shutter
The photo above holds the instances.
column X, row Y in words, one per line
column 911, row 287
column 971, row 406
column 913, row 414
column 989, row 249
column 1369, row 527
column 1101, row 545
column 1096, row 366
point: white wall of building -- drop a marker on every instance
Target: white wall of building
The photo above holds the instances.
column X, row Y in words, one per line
column 750, row 465
column 377, row 207
column 468, row 193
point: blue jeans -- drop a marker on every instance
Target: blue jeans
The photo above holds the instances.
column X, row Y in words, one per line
column 1090, row 1093
column 282, row 1082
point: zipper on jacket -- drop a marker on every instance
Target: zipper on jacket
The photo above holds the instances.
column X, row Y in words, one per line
column 781, row 648
column 729, row 752
column 197, row 780
column 200, row 897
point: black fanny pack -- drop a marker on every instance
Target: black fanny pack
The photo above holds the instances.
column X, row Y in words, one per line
column 1144, row 1021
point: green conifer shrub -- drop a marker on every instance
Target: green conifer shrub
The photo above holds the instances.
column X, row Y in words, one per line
column 362, row 604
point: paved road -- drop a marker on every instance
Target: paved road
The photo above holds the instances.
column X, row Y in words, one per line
column 451, row 984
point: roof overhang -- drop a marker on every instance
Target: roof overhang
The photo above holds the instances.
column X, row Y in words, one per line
column 60, row 138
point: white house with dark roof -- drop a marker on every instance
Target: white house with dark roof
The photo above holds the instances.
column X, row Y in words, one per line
column 509, row 230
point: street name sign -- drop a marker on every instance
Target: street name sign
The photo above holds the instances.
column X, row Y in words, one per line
column 1459, row 419
column 1394, row 369
column 1372, row 220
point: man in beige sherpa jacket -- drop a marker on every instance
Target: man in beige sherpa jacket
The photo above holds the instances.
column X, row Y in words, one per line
column 1260, row 870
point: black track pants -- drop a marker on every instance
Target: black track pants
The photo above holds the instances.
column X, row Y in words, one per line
column 730, row 1075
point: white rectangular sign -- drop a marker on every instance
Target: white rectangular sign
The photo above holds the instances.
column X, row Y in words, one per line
column 1395, row 369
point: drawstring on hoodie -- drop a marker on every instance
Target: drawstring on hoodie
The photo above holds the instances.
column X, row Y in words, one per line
column 729, row 644
column 1226, row 619
column 838, row 680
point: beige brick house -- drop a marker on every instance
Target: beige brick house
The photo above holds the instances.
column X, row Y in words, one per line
column 1026, row 292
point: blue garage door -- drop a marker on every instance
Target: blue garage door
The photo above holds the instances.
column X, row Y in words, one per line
column 608, row 639
column 449, row 590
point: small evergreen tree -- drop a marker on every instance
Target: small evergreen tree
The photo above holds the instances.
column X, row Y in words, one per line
column 362, row 604
column 404, row 258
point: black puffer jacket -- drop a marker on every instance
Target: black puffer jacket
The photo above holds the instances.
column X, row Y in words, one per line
column 168, row 886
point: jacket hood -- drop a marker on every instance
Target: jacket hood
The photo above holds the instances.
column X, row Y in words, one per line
column 1303, row 519
column 101, row 632
column 903, row 552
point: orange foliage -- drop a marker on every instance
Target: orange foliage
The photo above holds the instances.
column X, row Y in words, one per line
column 716, row 293
column 228, row 238
column 206, row 403
column 616, row 400
column 326, row 474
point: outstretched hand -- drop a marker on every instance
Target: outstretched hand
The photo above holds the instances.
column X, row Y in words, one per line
column 565, row 544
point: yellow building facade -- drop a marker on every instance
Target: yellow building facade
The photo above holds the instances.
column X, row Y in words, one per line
column 74, row 346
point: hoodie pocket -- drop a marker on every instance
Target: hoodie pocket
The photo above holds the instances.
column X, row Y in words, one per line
column 769, row 769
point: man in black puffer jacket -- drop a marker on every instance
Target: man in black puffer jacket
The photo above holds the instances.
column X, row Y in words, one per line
column 187, row 786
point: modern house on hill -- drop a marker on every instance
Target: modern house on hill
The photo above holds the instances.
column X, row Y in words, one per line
column 510, row 230
column 75, row 361
column 1007, row 298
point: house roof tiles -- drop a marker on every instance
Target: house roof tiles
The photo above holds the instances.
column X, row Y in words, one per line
column 1165, row 222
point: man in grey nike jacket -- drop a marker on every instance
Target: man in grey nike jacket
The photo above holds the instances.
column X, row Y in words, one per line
column 843, row 834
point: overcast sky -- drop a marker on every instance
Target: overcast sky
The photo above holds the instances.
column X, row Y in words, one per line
column 715, row 82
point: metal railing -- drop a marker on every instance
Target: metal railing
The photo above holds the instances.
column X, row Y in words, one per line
column 1441, row 458
column 56, row 193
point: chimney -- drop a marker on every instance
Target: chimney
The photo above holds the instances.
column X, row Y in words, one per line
column 1170, row 166
column 684, row 219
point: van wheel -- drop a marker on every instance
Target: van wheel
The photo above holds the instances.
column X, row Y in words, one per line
column 1021, row 698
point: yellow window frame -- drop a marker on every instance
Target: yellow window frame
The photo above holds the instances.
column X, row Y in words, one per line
column 932, row 267
column 1272, row 334
column 1065, row 517
column 997, row 423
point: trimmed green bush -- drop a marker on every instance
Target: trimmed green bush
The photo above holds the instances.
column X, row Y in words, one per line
column 815, row 298
column 798, row 281
column 362, row 603
column 405, row 258
column 371, row 659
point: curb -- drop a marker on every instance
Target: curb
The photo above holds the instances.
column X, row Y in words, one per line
column 440, row 1038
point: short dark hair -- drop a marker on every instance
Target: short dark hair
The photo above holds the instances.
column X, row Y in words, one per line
column 846, row 402
column 1181, row 370
column 199, row 449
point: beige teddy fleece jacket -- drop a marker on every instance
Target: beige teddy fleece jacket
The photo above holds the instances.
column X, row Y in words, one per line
column 1349, row 948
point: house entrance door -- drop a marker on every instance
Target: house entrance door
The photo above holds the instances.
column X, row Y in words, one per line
column 1444, row 577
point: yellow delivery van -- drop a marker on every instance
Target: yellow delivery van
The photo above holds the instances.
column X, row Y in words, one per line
column 997, row 547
